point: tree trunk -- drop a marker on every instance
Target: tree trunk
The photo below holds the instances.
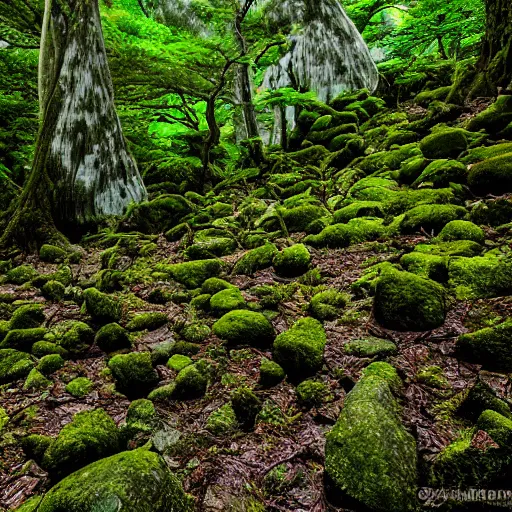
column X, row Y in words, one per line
column 495, row 64
column 82, row 169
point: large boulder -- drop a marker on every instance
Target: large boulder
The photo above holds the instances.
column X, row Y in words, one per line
column 240, row 327
column 408, row 302
column 492, row 176
column 369, row 456
column 138, row 480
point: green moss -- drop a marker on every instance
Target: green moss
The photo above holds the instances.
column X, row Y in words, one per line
column 358, row 209
column 407, row 302
column 101, row 307
column 297, row 219
column 370, row 347
column 300, row 349
column 76, row 337
column 312, row 393
column 384, row 371
column 246, row 406
column 497, row 426
column 433, row 376
column 214, row 285
column 52, row 254
column 446, row 143
column 327, row 305
column 43, row 348
column 292, row 261
column 222, row 421
column 475, row 155
column 4, row 418
column 201, row 302
column 495, row 118
column 112, row 337
column 465, row 248
column 36, row 380
column 271, row 373
column 426, row 265
column 134, row 373
column 227, row 300
column 53, row 290
column 35, row 445
column 440, row 173
column 411, row 169
column 431, row 218
column 195, row 332
column 492, row 212
column 23, row 339
column 462, row 230
column 386, row 160
column 256, row 259
column 177, row 362
column 479, row 398
column 244, row 327
column 209, row 243
column 141, row 414
column 368, row 280
column 149, row 321
column 27, row 317
column 490, row 347
column 271, row 414
column 190, row 383
column 426, row 97
column 22, row 274
column 369, row 455
column 134, row 480
column 31, row 505
column 91, row 435
column 480, row 277
column 321, row 123
column 193, row 273
column 50, row 364
column 492, row 176
column 79, row 387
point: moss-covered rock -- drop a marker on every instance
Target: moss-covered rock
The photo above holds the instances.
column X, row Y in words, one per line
column 101, row 307
column 446, row 143
column 495, row 118
column 490, row 347
column 222, row 421
column 14, row 365
column 440, row 173
column 370, row 457
column 312, row 393
column 430, row 218
column 43, row 348
column 358, row 209
column 479, row 398
column 80, row 387
column 76, row 337
column 300, row 349
column 50, row 364
column 195, row 332
column 244, row 327
column 194, row 273
column 492, row 176
column 52, row 254
column 327, row 305
column 149, row 321
column 141, row 415
column 134, row 373
column 298, row 219
column 177, row 362
column 256, row 259
column 370, row 347
column 23, row 339
column 134, row 480
column 27, row 317
column 246, row 406
column 407, row 302
column 227, row 300
column 271, row 373
column 35, row 445
column 497, row 426
column 53, row 290
column 112, row 337
column 210, row 243
column 91, row 435
column 462, row 230
column 292, row 261
column 433, row 376
column 22, row 274
column 191, row 382
column 36, row 380
column 426, row 265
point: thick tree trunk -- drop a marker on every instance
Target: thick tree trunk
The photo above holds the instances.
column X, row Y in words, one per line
column 82, row 170
column 495, row 64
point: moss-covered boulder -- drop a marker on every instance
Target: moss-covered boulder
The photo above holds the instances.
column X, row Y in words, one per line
column 271, row 373
column 135, row 480
column 190, row 383
column 112, row 337
column 490, row 347
column 53, row 290
column 240, row 327
column 462, row 230
column 446, row 143
column 440, row 173
column 194, row 273
column 407, row 302
column 23, row 339
column 75, row 337
column 36, row 381
column 134, row 373
column 22, row 274
column 370, row 347
column 101, row 306
column 499, row 427
column 300, row 349
column 292, row 261
column 52, row 253
column 256, row 259
column 91, row 435
column 358, row 209
column 149, row 321
column 492, row 176
column 369, row 456
column 495, row 118
column 80, row 387
column 50, row 364
column 312, row 393
column 177, row 362
column 227, row 300
column 210, row 243
column 327, row 305
column 27, row 317
column 430, row 217
column 477, row 399
column 431, row 266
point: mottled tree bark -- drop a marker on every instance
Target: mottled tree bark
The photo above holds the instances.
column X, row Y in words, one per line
column 82, row 170
column 495, row 64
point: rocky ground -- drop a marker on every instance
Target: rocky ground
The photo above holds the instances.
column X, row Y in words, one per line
column 343, row 325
